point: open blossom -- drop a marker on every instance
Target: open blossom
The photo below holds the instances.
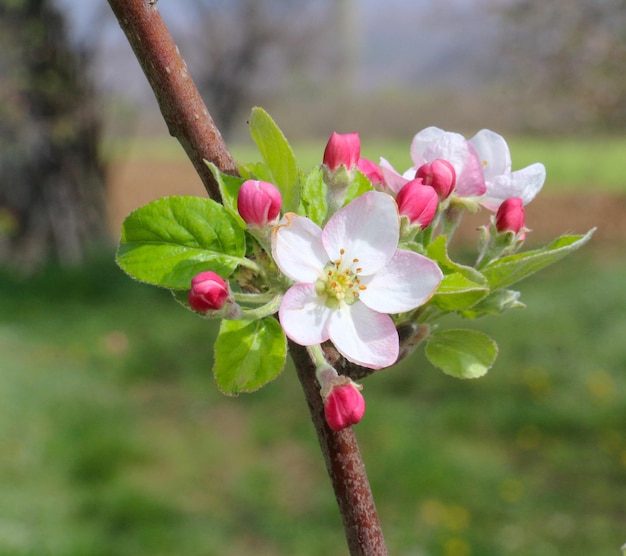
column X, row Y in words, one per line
column 349, row 277
column 500, row 181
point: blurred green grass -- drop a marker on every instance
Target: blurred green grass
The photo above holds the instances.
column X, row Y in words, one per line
column 115, row 440
column 582, row 164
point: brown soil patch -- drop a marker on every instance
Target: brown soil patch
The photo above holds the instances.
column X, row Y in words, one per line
column 134, row 183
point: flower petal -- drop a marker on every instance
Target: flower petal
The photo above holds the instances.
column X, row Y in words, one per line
column 421, row 141
column 493, row 152
column 297, row 248
column 363, row 336
column 524, row 183
column 408, row 281
column 393, row 180
column 366, row 229
column 303, row 315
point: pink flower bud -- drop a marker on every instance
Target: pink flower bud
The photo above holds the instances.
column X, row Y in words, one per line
column 440, row 175
column 208, row 292
column 344, row 406
column 342, row 149
column 258, row 202
column 371, row 170
column 418, row 202
column 511, row 216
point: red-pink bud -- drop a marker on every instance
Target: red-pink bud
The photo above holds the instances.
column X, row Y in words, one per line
column 371, row 170
column 511, row 216
column 418, row 202
column 342, row 149
column 440, row 175
column 258, row 202
column 208, row 292
column 344, row 406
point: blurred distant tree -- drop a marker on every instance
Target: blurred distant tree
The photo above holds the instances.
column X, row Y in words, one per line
column 52, row 177
column 241, row 47
column 567, row 58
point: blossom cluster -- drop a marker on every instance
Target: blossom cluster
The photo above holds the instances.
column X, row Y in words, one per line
column 350, row 260
column 348, row 280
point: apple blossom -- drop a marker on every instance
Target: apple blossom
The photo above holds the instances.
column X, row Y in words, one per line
column 432, row 144
column 342, row 149
column 510, row 216
column 440, row 175
column 344, row 406
column 258, row 202
column 208, row 292
column 371, row 170
column 349, row 277
column 418, row 202
column 501, row 183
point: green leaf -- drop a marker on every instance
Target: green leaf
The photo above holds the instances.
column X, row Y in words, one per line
column 254, row 171
column 461, row 353
column 457, row 292
column 313, row 196
column 495, row 304
column 248, row 354
column 359, row 185
column 438, row 252
column 506, row 271
column 229, row 190
column 170, row 240
column 278, row 157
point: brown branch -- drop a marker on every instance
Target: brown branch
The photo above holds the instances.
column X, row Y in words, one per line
column 181, row 105
column 345, row 467
column 189, row 121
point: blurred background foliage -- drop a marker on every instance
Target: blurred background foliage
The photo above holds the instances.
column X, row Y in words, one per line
column 114, row 442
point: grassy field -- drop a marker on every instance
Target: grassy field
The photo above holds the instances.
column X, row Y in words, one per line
column 116, row 442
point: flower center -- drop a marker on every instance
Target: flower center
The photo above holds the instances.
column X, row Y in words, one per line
column 340, row 282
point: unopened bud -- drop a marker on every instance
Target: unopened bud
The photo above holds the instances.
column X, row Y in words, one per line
column 440, row 175
column 258, row 202
column 344, row 406
column 209, row 292
column 418, row 202
column 342, row 149
column 371, row 170
column 511, row 216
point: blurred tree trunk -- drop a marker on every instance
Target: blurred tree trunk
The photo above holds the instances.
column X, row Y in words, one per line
column 52, row 177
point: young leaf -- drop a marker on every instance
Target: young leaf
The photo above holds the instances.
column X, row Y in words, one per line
column 248, row 354
column 461, row 353
column 313, row 196
column 170, row 240
column 457, row 292
column 506, row 271
column 494, row 304
column 254, row 171
column 438, row 251
column 360, row 184
column 229, row 189
column 278, row 157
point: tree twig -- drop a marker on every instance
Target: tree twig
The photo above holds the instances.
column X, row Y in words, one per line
column 189, row 121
